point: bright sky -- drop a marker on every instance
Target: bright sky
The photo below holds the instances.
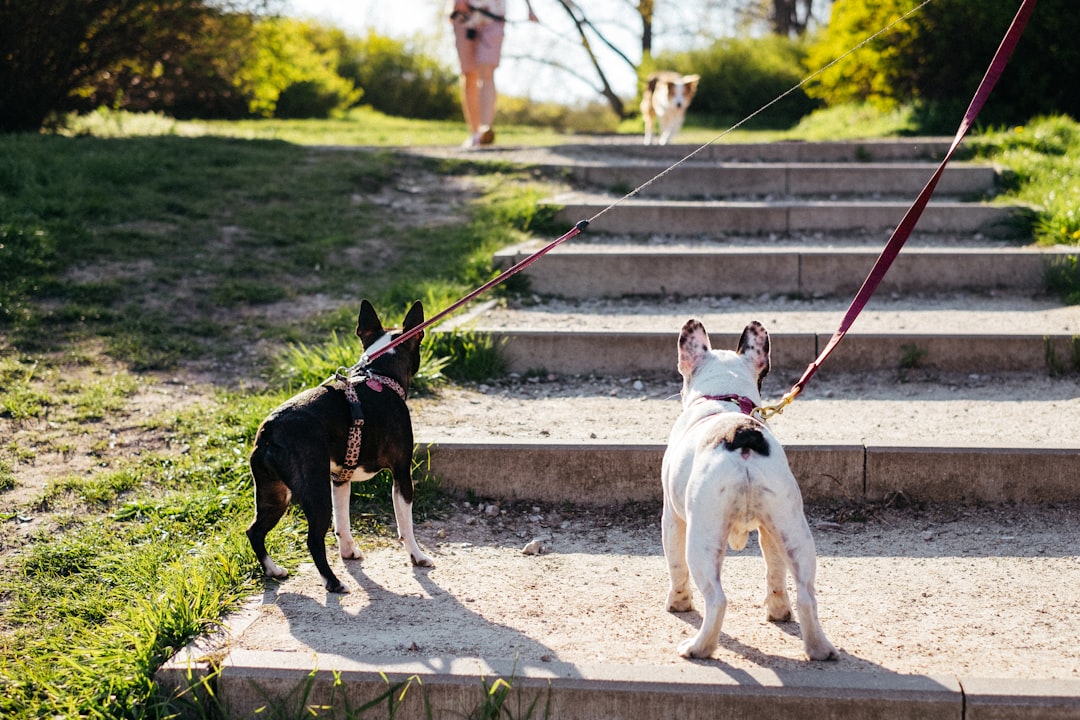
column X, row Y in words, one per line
column 520, row 74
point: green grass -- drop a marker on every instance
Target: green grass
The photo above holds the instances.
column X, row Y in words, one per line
column 124, row 260
column 1043, row 157
column 362, row 126
column 140, row 249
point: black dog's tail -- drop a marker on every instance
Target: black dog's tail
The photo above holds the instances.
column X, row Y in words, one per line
column 746, row 436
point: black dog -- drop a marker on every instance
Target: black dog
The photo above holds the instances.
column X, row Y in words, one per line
column 310, row 446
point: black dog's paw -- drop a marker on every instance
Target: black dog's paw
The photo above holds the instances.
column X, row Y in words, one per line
column 335, row 586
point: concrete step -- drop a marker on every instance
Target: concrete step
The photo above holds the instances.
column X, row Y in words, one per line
column 930, row 436
column 960, row 332
column 711, row 180
column 686, row 217
column 548, row 471
column 912, row 149
column 614, row 269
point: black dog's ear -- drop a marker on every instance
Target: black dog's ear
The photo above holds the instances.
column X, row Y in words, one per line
column 368, row 327
column 414, row 317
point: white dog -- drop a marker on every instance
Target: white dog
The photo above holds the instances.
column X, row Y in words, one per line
column 724, row 474
column 666, row 97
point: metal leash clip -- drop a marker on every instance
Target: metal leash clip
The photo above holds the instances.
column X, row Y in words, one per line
column 765, row 412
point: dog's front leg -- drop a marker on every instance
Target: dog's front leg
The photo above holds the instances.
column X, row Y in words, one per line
column 346, row 544
column 403, row 516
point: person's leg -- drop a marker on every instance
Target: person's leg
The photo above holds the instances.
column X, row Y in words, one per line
column 470, row 100
column 469, row 84
column 488, row 53
column 486, row 103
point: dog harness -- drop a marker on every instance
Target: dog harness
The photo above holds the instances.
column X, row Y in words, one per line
column 352, row 445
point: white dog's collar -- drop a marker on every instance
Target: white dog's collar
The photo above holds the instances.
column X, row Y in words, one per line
column 746, row 405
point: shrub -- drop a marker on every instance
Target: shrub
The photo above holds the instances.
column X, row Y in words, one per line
column 397, row 79
column 937, row 57
column 594, row 117
column 283, row 58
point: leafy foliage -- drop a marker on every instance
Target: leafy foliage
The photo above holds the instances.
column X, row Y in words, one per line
column 53, row 54
column 396, row 79
column 937, row 56
column 285, row 75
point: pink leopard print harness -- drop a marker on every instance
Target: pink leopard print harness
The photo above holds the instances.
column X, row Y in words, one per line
column 352, row 446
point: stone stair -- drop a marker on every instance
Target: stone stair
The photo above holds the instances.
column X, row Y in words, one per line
column 605, row 314
column 784, row 233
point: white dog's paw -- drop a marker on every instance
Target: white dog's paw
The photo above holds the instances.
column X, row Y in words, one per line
column 693, row 649
column 350, row 550
column 777, row 607
column 273, row 570
column 679, row 601
column 419, row 559
column 823, row 651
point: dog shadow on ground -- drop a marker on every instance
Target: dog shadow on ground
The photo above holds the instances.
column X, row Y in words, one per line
column 407, row 618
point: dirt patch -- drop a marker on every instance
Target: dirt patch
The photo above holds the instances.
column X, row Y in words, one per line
column 44, row 449
column 971, row 592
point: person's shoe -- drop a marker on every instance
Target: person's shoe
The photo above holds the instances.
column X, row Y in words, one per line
column 487, row 136
column 471, row 141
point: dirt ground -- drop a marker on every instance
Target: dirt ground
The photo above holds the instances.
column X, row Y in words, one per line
column 970, row 592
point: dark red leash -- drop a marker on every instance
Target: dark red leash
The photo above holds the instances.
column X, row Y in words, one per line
column 501, row 277
column 903, row 230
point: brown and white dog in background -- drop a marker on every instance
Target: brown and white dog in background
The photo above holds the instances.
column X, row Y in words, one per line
column 664, row 102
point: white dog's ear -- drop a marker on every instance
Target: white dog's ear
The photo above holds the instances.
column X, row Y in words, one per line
column 754, row 345
column 693, row 346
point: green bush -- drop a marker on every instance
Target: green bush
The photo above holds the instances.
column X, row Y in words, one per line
column 398, row 80
column 284, row 60
column 936, row 58
column 741, row 75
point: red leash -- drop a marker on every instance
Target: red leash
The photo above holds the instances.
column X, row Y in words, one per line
column 903, row 230
column 501, row 277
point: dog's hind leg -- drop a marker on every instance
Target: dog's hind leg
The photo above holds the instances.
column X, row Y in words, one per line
column 318, row 511
column 346, row 544
column 777, row 604
column 403, row 497
column 271, row 501
column 673, row 536
column 706, row 546
column 799, row 548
